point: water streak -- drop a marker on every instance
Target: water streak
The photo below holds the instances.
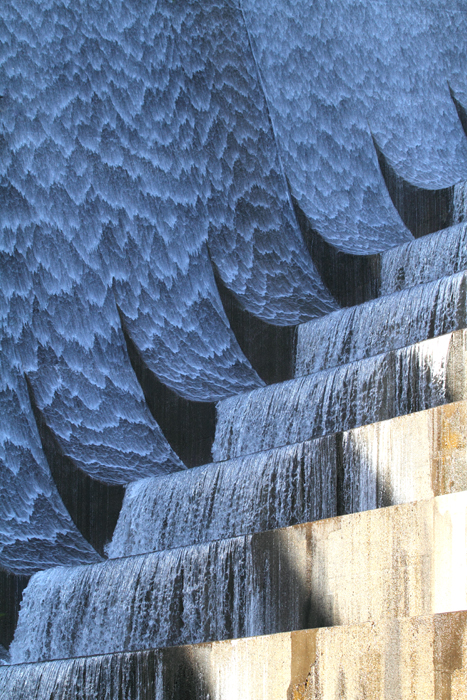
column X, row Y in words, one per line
column 220, row 590
column 424, row 260
column 459, row 203
column 111, row 677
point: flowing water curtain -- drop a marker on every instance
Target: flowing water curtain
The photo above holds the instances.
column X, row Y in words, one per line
column 216, row 180
column 424, row 260
column 260, row 492
column 36, row 530
column 387, row 323
column 375, row 389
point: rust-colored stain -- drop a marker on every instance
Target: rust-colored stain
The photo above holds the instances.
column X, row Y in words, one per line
column 450, row 441
column 448, row 651
column 302, row 662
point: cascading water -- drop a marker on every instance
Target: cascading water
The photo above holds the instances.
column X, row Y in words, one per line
column 385, row 386
column 218, row 590
column 381, row 325
column 261, row 492
column 4, row 656
column 424, row 260
column 336, row 74
column 157, row 142
column 459, row 202
column 108, row 677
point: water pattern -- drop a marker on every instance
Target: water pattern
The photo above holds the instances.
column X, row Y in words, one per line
column 36, row 530
column 218, row 590
column 98, row 211
column 144, row 147
column 108, row 677
column 260, row 492
column 424, row 260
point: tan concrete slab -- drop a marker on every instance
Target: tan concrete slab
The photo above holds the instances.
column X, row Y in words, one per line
column 409, row 458
column 401, row 561
column 422, row 657
column 406, row 560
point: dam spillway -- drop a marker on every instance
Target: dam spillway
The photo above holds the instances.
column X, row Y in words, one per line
column 233, row 350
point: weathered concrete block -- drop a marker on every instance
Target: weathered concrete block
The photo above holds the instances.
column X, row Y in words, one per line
column 409, row 458
column 393, row 562
column 420, row 657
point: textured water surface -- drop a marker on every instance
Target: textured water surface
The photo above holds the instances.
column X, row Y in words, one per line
column 393, row 321
column 260, row 492
column 424, row 260
column 218, row 590
column 131, row 139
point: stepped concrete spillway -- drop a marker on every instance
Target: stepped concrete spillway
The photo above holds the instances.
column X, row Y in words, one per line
column 410, row 458
column 331, row 572
column 422, row 657
column 411, row 379
column 361, row 589
column 233, row 374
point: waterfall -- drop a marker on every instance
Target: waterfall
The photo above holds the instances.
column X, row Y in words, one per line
column 399, row 382
column 337, row 73
column 4, row 656
column 384, row 324
column 424, row 260
column 175, row 597
column 183, row 181
column 220, row 590
column 294, row 484
column 96, row 677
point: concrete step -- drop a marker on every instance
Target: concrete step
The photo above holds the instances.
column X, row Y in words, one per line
column 403, row 459
column 384, row 324
column 422, row 657
column 421, row 376
column 401, row 561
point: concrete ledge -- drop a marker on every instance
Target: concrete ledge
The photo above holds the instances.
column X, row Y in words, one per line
column 403, row 561
column 404, row 459
column 421, row 657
